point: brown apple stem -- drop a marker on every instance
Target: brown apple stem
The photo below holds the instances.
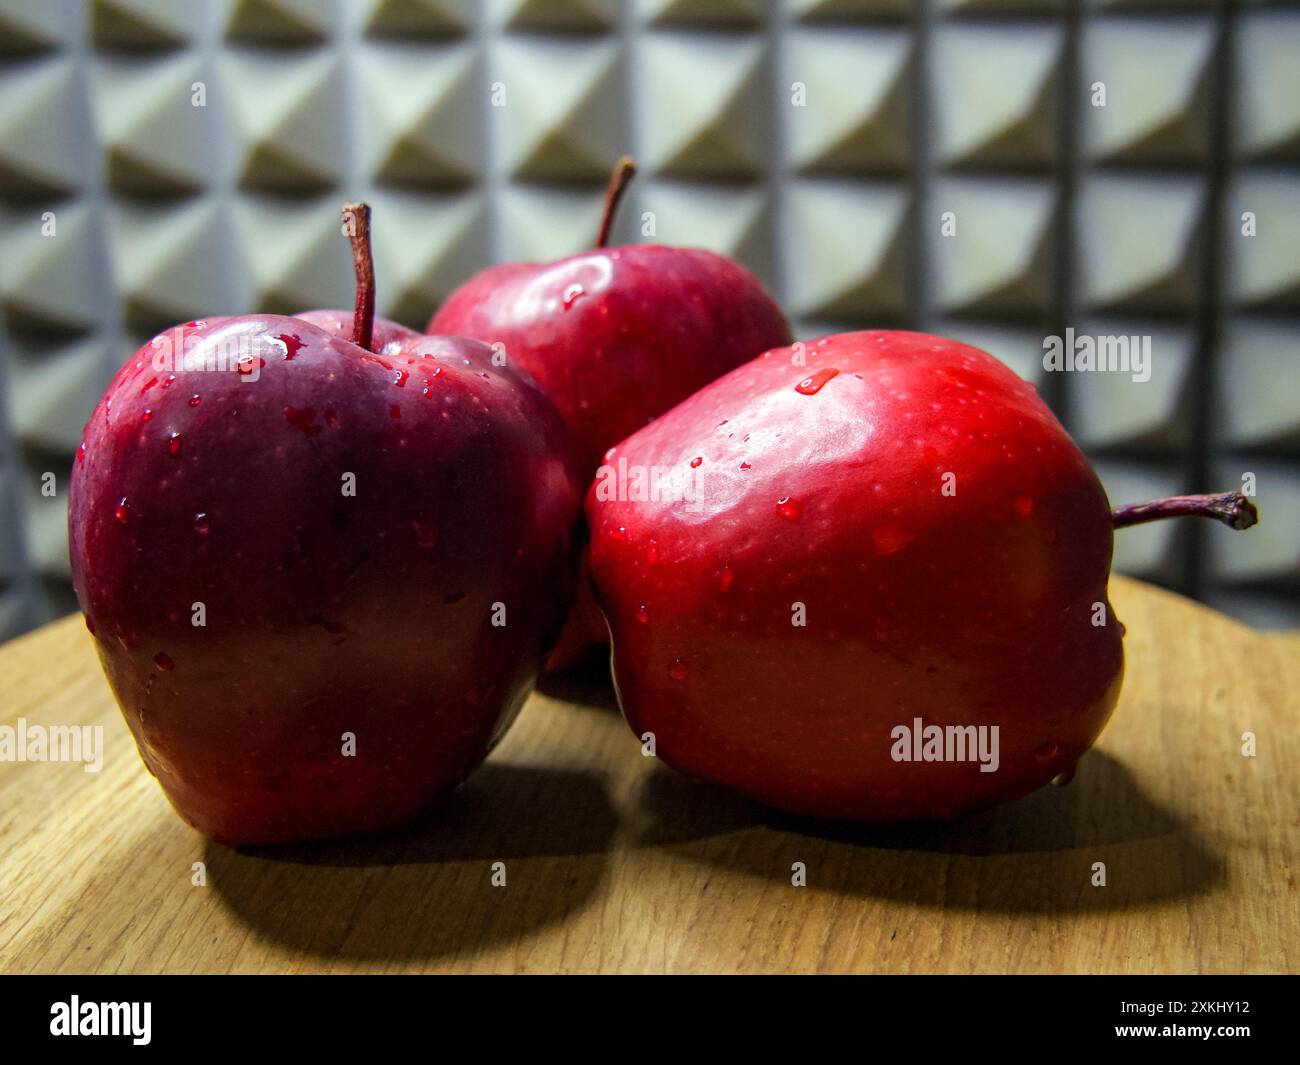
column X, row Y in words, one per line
column 1231, row 508
column 624, row 170
column 356, row 223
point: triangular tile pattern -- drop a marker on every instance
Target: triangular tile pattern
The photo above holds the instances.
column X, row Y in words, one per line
column 563, row 113
column 47, row 522
column 419, row 18
column 855, row 117
column 278, row 22
column 38, row 97
column 1267, row 125
column 156, row 143
column 51, row 284
column 173, row 263
column 999, row 260
column 1252, row 411
column 425, row 249
column 141, row 25
column 848, row 250
column 289, row 116
column 293, row 257
column 731, row 222
column 541, row 224
column 559, row 16
column 1139, row 242
column 1001, row 7
column 1158, row 80
column 996, row 95
column 1263, row 270
column 28, row 29
column 423, row 115
column 52, row 392
column 847, row 10
column 707, row 106
column 731, row 14
column 1113, row 410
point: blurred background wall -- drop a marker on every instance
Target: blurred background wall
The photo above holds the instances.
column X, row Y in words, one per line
column 193, row 155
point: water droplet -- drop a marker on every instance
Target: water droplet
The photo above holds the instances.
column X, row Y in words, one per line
column 572, row 294
column 813, row 384
column 399, row 378
column 146, row 416
column 789, row 508
column 163, row 661
column 167, row 381
column 724, row 581
column 122, row 513
column 643, row 613
column 890, row 539
column 81, row 451
column 695, row 462
column 292, row 345
column 746, row 466
column 1024, row 506
column 1047, row 752
column 677, row 670
column 194, row 400
column 201, row 523
column 620, row 533
column 427, row 390
column 174, row 444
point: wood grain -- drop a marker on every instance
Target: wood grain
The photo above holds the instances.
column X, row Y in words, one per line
column 614, row 863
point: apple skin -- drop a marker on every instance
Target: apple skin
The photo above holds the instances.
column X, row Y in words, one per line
column 973, row 607
column 388, row 337
column 616, row 337
column 325, row 614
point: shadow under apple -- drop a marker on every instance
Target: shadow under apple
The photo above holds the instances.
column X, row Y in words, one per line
column 1031, row 856
column 427, row 892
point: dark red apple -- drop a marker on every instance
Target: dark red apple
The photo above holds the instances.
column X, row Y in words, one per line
column 616, row 337
column 874, row 535
column 321, row 580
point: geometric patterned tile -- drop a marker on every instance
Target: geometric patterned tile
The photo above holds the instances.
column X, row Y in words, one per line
column 1251, row 410
column 42, row 127
column 996, row 94
column 142, row 25
column 278, row 22
column 427, row 19
column 1262, row 232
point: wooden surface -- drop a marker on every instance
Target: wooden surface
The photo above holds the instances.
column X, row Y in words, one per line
column 614, row 863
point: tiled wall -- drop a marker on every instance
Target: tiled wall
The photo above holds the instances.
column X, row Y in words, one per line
column 822, row 142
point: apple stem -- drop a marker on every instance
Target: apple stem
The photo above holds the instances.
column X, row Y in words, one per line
column 624, row 170
column 356, row 224
column 1231, row 508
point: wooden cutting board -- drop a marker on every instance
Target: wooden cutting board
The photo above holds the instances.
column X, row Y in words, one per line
column 614, row 863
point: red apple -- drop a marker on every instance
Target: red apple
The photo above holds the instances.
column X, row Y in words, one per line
column 885, row 533
column 616, row 337
column 321, row 582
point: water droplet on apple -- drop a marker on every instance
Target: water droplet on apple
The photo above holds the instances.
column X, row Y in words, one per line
column 174, row 444
column 572, row 294
column 788, row 508
column 643, row 613
column 163, row 661
column 292, row 345
column 194, row 400
column 146, row 416
column 201, row 523
column 677, row 670
column 746, row 466
column 695, row 462
column 399, row 378
column 813, row 384
column 122, row 513
column 724, row 581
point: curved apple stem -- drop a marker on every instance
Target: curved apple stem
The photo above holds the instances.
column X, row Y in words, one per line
column 356, row 224
column 1231, row 508
column 624, row 171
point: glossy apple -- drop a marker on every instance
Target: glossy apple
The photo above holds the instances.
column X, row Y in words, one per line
column 320, row 581
column 616, row 337
column 884, row 528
